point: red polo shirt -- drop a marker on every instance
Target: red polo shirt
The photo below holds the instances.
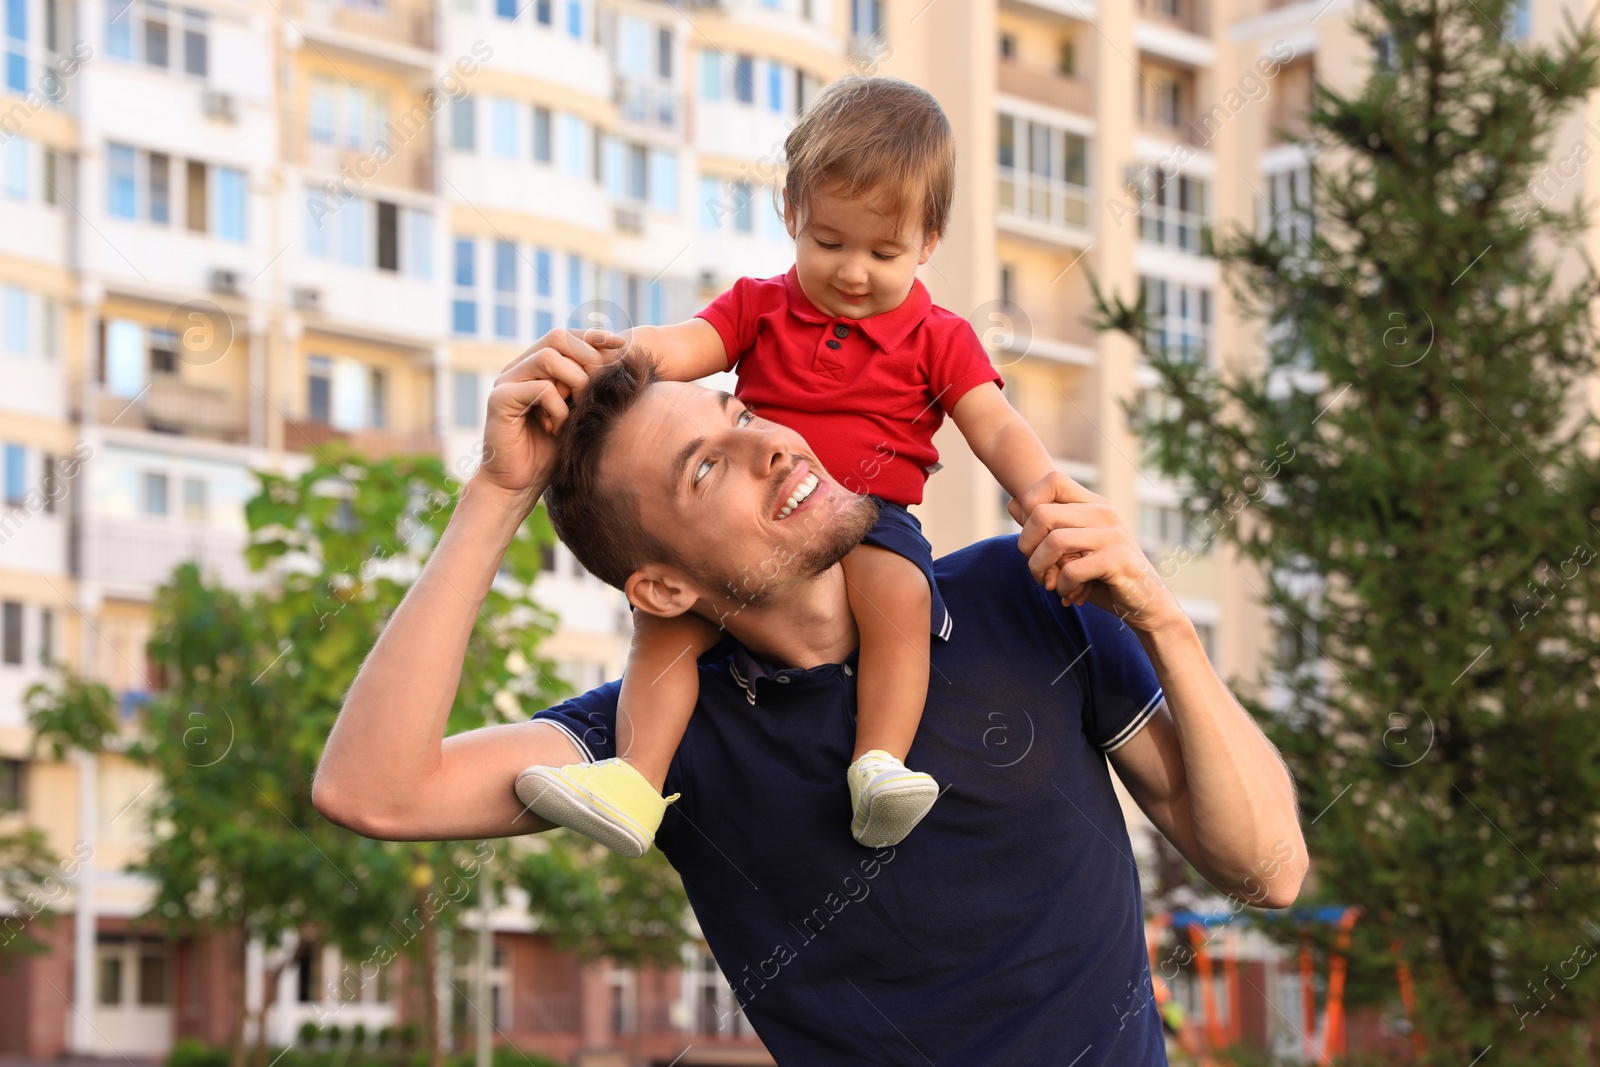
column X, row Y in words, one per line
column 866, row 394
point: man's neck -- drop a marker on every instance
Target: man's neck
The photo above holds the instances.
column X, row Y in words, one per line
column 803, row 625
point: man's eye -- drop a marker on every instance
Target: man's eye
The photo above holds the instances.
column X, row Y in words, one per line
column 746, row 417
column 702, row 470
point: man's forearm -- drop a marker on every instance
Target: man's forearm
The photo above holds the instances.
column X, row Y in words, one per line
column 1238, row 795
column 387, row 737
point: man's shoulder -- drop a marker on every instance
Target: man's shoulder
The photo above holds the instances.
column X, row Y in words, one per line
column 993, row 556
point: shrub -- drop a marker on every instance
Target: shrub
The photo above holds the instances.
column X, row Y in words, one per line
column 191, row 1053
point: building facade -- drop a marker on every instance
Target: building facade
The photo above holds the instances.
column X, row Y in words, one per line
column 232, row 232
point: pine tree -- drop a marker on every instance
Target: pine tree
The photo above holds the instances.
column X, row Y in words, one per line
column 1410, row 466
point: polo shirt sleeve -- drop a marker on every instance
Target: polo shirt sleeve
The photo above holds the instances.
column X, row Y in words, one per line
column 734, row 315
column 589, row 719
column 959, row 363
column 1123, row 691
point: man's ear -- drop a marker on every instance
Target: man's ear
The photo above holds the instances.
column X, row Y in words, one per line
column 660, row 591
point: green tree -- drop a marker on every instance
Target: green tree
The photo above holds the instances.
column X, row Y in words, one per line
column 1414, row 474
column 251, row 684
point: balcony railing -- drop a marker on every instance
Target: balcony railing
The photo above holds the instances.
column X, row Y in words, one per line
column 404, row 22
column 1041, row 199
column 651, row 104
column 168, row 404
column 404, row 163
column 1047, row 87
column 308, row 435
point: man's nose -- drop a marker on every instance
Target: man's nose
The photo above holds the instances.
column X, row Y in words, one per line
column 770, row 450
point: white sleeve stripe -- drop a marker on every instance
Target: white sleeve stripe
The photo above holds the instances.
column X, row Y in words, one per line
column 1136, row 724
column 577, row 742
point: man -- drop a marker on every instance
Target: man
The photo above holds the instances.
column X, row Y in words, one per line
column 1009, row 928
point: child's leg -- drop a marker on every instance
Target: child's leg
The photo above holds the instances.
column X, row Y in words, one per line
column 890, row 598
column 659, row 690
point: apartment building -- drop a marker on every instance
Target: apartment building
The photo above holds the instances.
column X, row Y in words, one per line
column 232, row 232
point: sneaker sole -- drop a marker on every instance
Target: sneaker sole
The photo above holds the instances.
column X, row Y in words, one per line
column 894, row 813
column 544, row 792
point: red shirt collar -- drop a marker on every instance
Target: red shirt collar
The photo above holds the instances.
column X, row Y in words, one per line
column 887, row 330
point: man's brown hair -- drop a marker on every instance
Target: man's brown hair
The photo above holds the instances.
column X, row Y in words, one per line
column 599, row 519
column 882, row 137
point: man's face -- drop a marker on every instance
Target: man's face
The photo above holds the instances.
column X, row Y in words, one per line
column 854, row 260
column 715, row 484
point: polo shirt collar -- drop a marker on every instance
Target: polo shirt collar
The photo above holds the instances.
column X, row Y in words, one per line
column 747, row 669
column 887, row 330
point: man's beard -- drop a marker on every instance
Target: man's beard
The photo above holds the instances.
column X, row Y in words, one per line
column 836, row 528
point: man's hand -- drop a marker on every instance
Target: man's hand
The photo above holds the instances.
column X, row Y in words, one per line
column 1078, row 547
column 528, row 406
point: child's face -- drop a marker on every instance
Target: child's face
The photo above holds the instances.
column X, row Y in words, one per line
column 852, row 259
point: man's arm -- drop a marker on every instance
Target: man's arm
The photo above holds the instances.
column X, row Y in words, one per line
column 1200, row 769
column 388, row 771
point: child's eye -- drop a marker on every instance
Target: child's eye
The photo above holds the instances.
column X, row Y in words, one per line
column 886, row 256
column 829, row 245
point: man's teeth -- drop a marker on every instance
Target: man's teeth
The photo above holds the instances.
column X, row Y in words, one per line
column 803, row 490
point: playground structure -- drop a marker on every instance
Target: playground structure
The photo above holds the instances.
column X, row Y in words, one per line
column 1322, row 1036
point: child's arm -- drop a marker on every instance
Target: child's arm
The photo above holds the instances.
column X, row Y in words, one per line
column 1007, row 445
column 686, row 350
column 1002, row 439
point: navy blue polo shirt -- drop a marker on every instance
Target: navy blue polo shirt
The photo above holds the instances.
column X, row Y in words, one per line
column 1008, row 927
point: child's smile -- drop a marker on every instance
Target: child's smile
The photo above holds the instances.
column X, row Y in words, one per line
column 852, row 259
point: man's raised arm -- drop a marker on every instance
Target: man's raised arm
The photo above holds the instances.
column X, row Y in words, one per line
column 388, row 770
column 1201, row 769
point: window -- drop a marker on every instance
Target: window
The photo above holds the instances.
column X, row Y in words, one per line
column 664, row 181
column 506, row 9
column 14, row 163
column 388, row 236
column 119, row 29
column 663, row 53
column 1043, row 172
column 542, row 13
column 543, row 292
column 47, row 637
column 541, row 135
column 1008, row 46
column 575, row 19
column 230, row 202
column 11, row 633
column 711, row 75
column 775, row 88
column 157, row 169
column 155, row 34
column 623, row 1000
column 503, row 128
column 377, row 399
column 463, row 123
column 121, row 184
column 194, row 500
column 1287, row 207
column 153, row 493
column 195, row 181
column 1167, row 108
column 1174, row 211
column 1162, row 528
column 419, row 247
column 110, row 984
column 464, row 310
column 322, row 110
column 575, row 147
column 466, row 399
column 16, row 45
column 505, row 284
column 13, row 791
column 16, row 473
column 1067, row 58
column 744, row 79
column 14, row 309
column 163, row 352
column 196, row 57
column 866, row 17
column 152, row 977
column 1180, row 318
column 319, row 389
column 51, row 165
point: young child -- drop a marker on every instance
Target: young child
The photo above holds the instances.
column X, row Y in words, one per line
column 848, row 350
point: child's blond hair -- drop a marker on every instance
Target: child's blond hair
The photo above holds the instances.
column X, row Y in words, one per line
column 883, row 138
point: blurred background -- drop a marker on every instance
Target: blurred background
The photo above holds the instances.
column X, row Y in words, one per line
column 301, row 237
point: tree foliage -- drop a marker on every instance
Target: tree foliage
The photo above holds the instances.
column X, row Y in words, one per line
column 252, row 681
column 1414, row 473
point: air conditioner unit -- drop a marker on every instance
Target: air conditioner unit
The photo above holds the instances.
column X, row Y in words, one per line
column 219, row 105
column 223, row 281
column 305, row 298
column 629, row 220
